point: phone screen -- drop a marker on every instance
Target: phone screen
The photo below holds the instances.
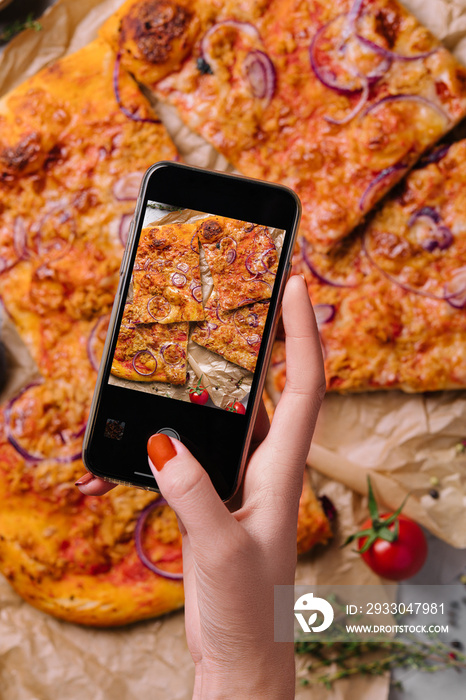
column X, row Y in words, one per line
column 196, row 307
column 197, row 300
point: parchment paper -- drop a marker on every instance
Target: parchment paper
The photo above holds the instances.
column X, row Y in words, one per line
column 401, row 439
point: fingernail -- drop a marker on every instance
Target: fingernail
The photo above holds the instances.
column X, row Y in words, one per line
column 160, row 450
column 86, row 479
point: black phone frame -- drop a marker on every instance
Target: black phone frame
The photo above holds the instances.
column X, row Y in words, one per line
column 212, row 192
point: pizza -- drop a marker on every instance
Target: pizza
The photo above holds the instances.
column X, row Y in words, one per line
column 242, row 260
column 154, row 352
column 390, row 302
column 74, row 142
column 73, row 149
column 166, row 279
column 336, row 100
column 235, row 335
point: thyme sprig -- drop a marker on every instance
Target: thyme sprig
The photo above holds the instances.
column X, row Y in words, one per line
column 375, row 658
column 10, row 30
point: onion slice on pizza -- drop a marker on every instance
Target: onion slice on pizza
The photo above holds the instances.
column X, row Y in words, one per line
column 167, row 284
column 235, row 335
column 154, row 352
column 336, row 100
column 242, row 260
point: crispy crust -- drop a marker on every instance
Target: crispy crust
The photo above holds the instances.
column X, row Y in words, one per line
column 313, row 525
column 157, row 350
column 340, row 170
column 167, row 284
column 235, row 335
column 154, row 36
column 242, row 259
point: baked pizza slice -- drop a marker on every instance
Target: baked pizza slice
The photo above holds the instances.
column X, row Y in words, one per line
column 153, row 352
column 235, row 335
column 72, row 153
column 167, row 283
column 336, row 100
column 242, row 260
column 390, row 303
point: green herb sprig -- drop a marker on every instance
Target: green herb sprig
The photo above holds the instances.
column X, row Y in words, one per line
column 10, row 30
column 348, row 657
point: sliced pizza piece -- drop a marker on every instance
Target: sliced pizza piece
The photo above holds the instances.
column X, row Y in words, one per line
column 167, row 283
column 336, row 100
column 314, row 525
column 242, row 260
column 72, row 154
column 390, row 303
column 154, row 352
column 235, row 335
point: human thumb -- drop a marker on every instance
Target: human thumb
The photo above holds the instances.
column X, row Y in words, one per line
column 187, row 488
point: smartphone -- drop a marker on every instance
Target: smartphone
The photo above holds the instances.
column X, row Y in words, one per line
column 190, row 334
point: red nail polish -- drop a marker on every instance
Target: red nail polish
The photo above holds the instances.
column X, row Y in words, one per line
column 160, row 450
column 85, row 479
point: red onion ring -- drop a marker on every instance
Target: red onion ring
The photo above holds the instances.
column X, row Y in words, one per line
column 208, row 327
column 457, row 298
column 164, row 348
column 245, row 27
column 267, row 269
column 165, row 304
column 250, row 340
column 323, row 75
column 324, row 313
column 383, row 175
column 261, row 74
column 59, row 246
column 196, row 293
column 424, row 211
column 178, row 279
column 217, row 313
column 19, row 246
column 138, row 542
column 407, row 287
column 356, row 109
column 137, row 356
column 184, row 267
column 442, row 237
column 116, row 91
column 30, row 456
column 353, row 14
column 93, row 339
column 195, row 250
column 393, row 55
column 126, row 188
column 316, row 273
column 230, row 256
column 407, row 97
column 123, row 230
column 259, row 261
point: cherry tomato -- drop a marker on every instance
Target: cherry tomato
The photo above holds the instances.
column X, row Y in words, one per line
column 401, row 558
column 236, row 407
column 199, row 396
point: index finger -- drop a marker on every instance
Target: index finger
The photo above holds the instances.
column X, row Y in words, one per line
column 282, row 456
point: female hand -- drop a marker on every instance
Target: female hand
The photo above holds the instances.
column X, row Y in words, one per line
column 233, row 560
